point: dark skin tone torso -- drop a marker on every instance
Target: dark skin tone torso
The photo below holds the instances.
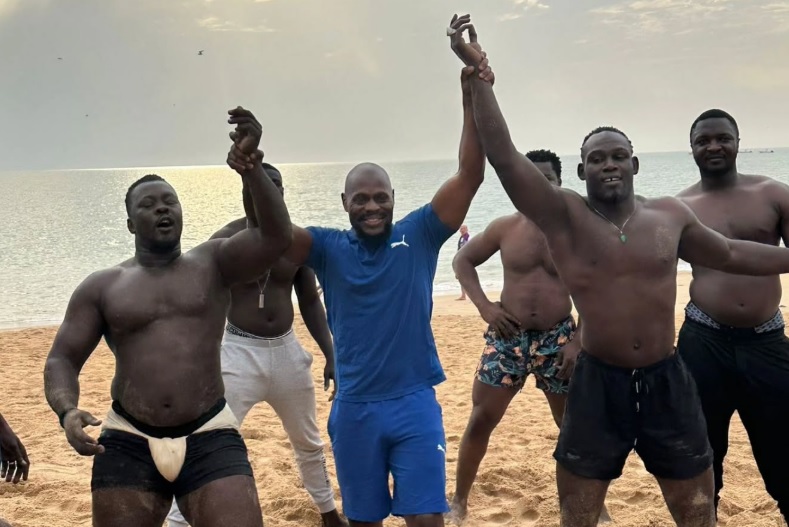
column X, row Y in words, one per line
column 277, row 315
column 533, row 291
column 162, row 314
column 147, row 310
column 625, row 292
column 741, row 207
column 752, row 210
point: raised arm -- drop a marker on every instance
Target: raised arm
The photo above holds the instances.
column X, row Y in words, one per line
column 453, row 199
column 700, row 245
column 231, row 229
column 77, row 337
column 250, row 253
column 314, row 315
column 528, row 189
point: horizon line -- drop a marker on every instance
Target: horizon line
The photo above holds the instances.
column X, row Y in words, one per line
column 422, row 160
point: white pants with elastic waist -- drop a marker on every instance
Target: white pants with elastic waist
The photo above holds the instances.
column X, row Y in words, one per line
column 277, row 371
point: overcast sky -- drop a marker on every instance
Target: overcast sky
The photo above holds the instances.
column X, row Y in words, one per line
column 358, row 80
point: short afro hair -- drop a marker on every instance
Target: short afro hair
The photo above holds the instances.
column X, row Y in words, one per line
column 715, row 114
column 546, row 156
column 145, row 179
column 601, row 129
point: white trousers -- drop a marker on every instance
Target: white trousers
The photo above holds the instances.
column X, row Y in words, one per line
column 277, row 371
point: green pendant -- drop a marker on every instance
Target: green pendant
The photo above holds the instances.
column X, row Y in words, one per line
column 623, row 238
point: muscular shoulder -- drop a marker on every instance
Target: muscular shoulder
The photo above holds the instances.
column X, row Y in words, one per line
column 668, row 205
column 765, row 185
column 503, row 223
column 94, row 285
column 231, row 229
column 691, row 191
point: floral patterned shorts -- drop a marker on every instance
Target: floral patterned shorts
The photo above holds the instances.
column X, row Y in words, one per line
column 507, row 363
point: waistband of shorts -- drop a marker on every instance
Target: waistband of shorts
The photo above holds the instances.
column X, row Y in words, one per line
column 567, row 321
column 694, row 314
column 656, row 366
column 160, row 432
column 234, row 334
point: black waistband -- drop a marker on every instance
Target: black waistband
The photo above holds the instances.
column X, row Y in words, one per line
column 630, row 371
column 170, row 431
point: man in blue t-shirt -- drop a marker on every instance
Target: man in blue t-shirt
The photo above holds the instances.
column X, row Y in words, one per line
column 377, row 279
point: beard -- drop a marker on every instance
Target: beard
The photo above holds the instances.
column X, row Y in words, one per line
column 373, row 239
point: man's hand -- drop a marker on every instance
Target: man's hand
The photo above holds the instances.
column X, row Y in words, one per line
column 565, row 359
column 504, row 324
column 248, row 130
column 15, row 463
column 241, row 162
column 485, row 73
column 73, row 423
column 469, row 52
column 328, row 378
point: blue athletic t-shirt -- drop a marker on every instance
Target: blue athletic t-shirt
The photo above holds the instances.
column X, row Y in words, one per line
column 379, row 301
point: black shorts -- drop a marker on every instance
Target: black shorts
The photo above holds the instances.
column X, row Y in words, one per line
column 127, row 460
column 611, row 410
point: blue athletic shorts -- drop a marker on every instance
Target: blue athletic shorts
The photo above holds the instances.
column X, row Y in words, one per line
column 404, row 437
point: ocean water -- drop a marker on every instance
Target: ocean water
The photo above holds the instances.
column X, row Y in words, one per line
column 59, row 226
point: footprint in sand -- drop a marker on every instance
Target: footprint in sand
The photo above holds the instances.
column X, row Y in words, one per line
column 253, row 434
column 636, row 498
column 529, row 517
column 500, row 518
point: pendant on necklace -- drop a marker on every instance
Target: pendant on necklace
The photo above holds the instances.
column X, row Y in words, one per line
column 261, row 301
column 622, row 238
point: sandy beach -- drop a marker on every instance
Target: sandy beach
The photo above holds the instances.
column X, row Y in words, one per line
column 515, row 485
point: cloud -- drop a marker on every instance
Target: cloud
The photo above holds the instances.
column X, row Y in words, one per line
column 213, row 23
column 529, row 4
column 523, row 5
column 782, row 7
column 645, row 18
column 509, row 16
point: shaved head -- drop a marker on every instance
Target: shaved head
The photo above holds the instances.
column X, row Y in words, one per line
column 369, row 201
column 366, row 173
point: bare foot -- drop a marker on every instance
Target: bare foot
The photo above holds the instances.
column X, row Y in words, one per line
column 333, row 519
column 461, row 298
column 604, row 516
column 457, row 511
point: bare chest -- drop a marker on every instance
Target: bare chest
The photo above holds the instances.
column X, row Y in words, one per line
column 738, row 215
column 141, row 297
column 598, row 255
column 525, row 250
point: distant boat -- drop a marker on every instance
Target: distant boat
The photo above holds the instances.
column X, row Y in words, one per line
column 747, row 152
column 766, row 151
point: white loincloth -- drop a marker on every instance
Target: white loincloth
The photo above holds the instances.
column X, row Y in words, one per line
column 169, row 453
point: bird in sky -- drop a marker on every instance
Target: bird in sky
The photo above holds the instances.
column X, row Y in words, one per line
column 200, row 52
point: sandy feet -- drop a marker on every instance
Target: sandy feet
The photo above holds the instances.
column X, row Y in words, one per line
column 457, row 513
